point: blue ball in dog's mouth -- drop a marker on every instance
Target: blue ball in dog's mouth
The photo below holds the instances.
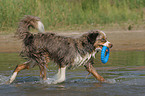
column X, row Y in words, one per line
column 105, row 54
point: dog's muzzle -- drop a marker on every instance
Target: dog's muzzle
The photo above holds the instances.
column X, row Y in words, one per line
column 99, row 46
column 108, row 44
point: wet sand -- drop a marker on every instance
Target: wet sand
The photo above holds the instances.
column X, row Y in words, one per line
column 122, row 40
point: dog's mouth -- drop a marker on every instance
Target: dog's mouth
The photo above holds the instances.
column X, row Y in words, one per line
column 101, row 46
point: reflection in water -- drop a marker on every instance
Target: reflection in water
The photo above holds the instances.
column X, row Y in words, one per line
column 125, row 70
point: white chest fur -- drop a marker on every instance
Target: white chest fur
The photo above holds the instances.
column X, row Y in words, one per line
column 81, row 60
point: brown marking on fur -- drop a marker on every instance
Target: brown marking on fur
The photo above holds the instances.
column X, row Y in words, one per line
column 43, row 71
column 92, row 70
column 21, row 67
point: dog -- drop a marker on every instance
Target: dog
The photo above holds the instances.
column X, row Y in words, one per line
column 68, row 52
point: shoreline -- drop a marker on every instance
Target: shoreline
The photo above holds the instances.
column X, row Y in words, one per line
column 122, row 40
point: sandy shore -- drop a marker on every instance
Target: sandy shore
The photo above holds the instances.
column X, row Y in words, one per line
column 122, row 40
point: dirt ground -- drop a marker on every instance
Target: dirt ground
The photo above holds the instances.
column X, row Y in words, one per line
column 122, row 40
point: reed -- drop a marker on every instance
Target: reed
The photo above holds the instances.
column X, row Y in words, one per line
column 57, row 14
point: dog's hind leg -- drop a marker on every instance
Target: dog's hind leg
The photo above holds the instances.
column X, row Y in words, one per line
column 43, row 71
column 18, row 69
column 43, row 67
column 89, row 67
column 60, row 76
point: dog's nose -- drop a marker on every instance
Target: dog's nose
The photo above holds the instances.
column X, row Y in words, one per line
column 111, row 45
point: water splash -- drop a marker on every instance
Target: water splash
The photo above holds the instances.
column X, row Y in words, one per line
column 111, row 81
column 3, row 79
column 48, row 81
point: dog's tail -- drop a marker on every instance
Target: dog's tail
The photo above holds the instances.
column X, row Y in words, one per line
column 27, row 22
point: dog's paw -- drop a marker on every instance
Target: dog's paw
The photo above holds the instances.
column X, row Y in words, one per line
column 111, row 81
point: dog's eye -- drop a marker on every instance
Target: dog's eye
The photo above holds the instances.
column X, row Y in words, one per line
column 103, row 40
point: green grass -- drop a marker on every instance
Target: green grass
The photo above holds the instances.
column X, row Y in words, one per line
column 71, row 14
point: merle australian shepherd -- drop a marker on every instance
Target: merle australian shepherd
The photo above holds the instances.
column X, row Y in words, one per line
column 69, row 52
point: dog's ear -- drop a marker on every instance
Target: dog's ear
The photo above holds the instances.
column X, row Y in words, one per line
column 92, row 37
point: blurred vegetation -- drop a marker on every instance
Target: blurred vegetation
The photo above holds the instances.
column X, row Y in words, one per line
column 57, row 14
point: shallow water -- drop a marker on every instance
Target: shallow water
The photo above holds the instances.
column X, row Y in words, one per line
column 125, row 70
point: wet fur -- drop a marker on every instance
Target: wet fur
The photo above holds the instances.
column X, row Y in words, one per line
column 70, row 52
column 60, row 49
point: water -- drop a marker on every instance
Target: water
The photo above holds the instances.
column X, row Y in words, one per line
column 125, row 71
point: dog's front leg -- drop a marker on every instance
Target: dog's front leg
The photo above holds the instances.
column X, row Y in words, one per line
column 89, row 67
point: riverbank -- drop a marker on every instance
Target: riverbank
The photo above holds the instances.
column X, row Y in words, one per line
column 122, row 40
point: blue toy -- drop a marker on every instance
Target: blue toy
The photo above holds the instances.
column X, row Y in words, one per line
column 104, row 54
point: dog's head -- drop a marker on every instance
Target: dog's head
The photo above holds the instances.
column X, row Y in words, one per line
column 99, row 39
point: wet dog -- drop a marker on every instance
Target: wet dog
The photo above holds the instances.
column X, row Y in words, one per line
column 69, row 52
